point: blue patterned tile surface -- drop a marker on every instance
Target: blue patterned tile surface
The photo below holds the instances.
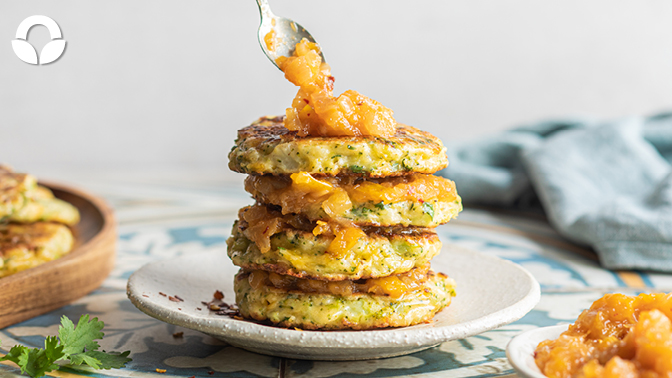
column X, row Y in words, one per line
column 161, row 220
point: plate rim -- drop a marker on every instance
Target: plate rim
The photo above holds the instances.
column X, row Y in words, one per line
column 253, row 332
column 522, row 358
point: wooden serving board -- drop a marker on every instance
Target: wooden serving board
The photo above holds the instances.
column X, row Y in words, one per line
column 57, row 283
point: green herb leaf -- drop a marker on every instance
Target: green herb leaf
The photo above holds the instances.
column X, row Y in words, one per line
column 52, row 349
column 357, row 169
column 110, row 360
column 75, row 343
column 101, row 360
column 76, row 339
column 14, row 354
column 86, row 359
column 428, row 208
column 37, row 362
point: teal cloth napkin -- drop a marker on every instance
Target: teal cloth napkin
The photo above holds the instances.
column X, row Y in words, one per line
column 603, row 184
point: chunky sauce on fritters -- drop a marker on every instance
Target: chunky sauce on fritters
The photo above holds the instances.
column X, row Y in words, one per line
column 416, row 199
column 302, row 254
column 328, row 245
column 357, row 311
column 261, row 222
column 394, row 286
column 315, row 111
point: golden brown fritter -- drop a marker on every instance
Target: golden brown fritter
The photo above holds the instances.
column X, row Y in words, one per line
column 23, row 201
column 260, row 298
column 267, row 147
column 291, row 244
column 13, row 187
column 302, row 254
column 417, row 199
column 24, row 246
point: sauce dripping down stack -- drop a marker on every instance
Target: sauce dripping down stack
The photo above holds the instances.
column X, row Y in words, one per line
column 342, row 231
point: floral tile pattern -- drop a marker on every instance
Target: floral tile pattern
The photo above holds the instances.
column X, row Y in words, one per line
column 161, row 220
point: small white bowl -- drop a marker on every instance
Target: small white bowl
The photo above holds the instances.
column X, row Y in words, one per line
column 520, row 350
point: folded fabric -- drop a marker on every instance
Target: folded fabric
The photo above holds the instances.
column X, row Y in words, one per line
column 603, row 184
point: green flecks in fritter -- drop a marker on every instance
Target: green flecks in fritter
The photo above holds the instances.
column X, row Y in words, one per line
column 428, row 208
column 406, row 164
column 380, row 206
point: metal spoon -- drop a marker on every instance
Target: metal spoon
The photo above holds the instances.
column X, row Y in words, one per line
column 287, row 33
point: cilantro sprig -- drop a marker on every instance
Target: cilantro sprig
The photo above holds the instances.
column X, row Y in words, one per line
column 75, row 344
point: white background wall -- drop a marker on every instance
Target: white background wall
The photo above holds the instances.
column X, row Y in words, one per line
column 165, row 83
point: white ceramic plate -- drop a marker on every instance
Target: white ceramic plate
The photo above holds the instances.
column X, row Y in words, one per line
column 491, row 292
column 520, row 350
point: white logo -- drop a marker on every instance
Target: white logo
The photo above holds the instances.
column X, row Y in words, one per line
column 50, row 52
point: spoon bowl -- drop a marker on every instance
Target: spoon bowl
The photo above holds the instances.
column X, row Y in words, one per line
column 284, row 34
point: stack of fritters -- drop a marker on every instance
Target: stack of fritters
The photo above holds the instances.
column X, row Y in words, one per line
column 33, row 224
column 342, row 231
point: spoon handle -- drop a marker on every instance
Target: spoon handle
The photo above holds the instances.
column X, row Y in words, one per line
column 264, row 9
